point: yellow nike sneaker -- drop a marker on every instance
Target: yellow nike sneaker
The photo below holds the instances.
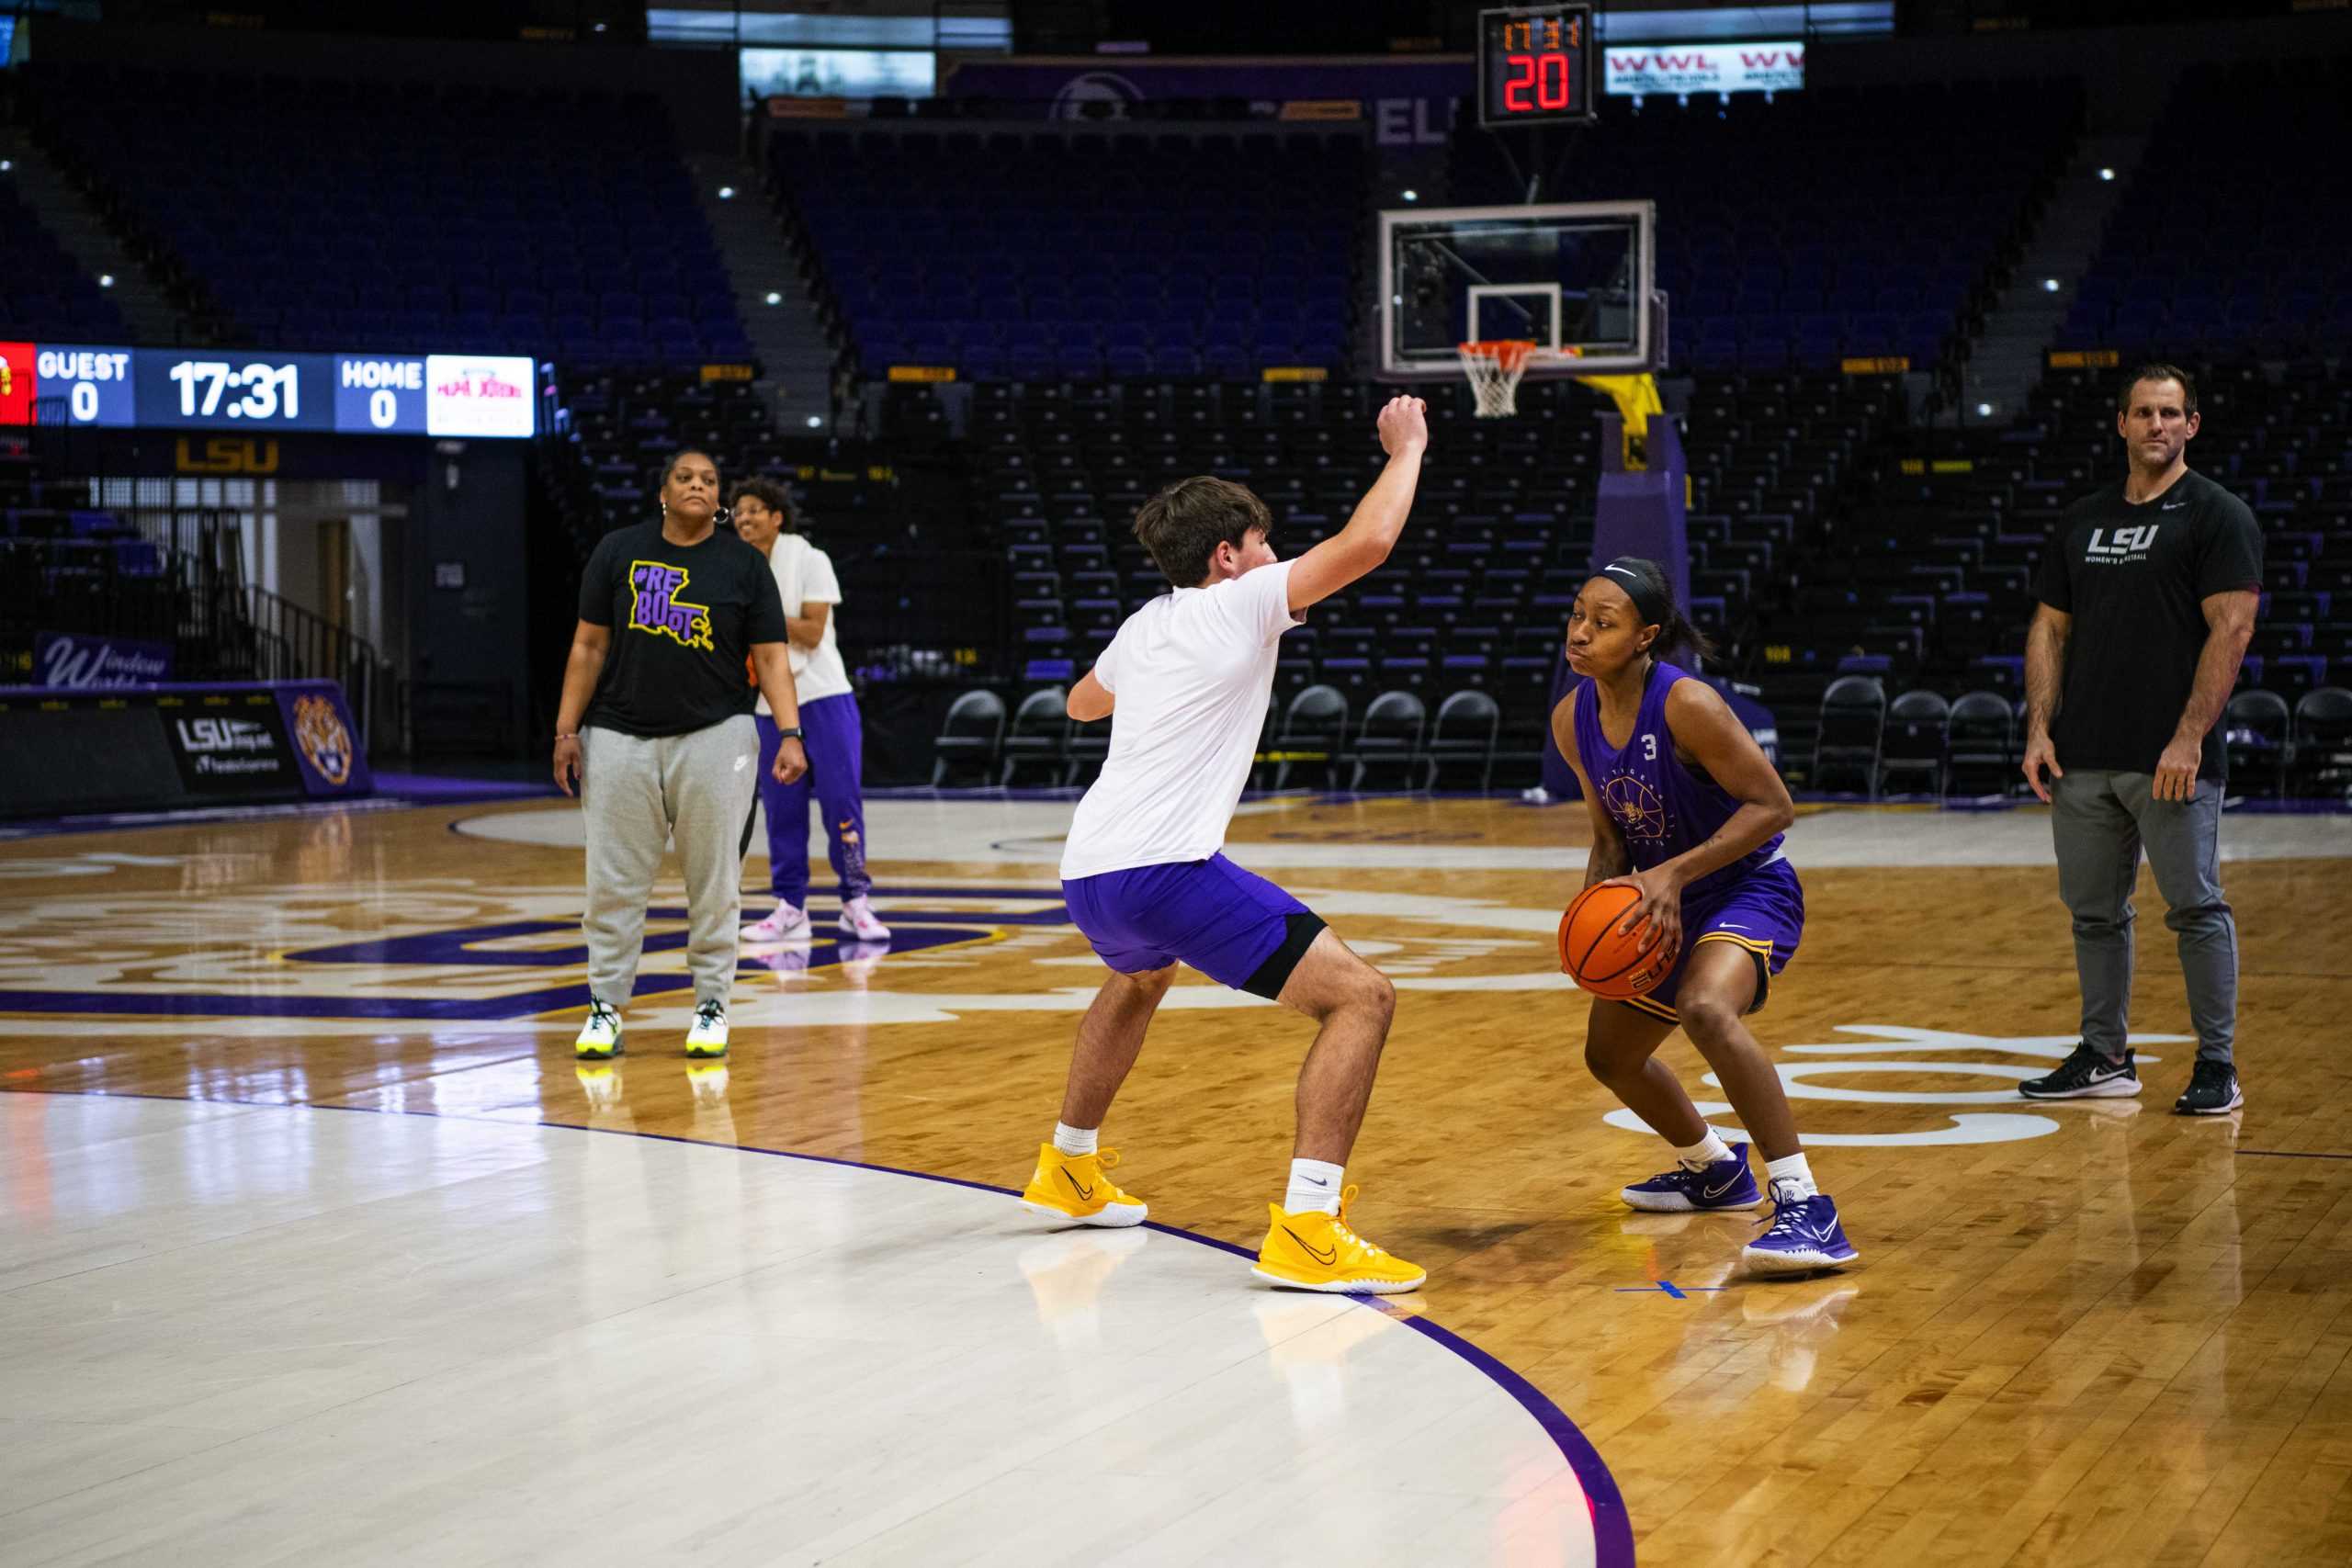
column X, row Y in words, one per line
column 1316, row 1251
column 1074, row 1187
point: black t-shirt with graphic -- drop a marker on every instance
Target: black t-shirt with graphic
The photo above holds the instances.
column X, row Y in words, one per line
column 2134, row 579
column 683, row 619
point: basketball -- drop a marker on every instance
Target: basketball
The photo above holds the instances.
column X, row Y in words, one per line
column 1613, row 967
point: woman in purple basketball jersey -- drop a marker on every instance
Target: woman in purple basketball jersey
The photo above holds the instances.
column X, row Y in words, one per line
column 1688, row 813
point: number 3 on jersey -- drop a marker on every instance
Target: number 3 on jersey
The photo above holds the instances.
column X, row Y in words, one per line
column 1649, row 748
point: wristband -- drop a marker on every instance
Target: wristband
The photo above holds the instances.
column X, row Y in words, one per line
column 574, row 735
column 792, row 734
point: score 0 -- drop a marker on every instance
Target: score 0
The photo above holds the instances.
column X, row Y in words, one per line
column 378, row 394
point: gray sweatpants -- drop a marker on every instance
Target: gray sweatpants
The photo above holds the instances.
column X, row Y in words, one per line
column 2101, row 822
column 636, row 795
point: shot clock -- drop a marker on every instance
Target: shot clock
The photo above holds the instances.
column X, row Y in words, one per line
column 1536, row 66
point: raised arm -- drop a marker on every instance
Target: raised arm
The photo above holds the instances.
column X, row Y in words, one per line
column 2045, row 670
column 1359, row 549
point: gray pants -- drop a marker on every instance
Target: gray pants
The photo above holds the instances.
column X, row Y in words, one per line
column 635, row 796
column 2101, row 822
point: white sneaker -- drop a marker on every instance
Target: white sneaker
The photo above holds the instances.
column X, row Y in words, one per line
column 709, row 1036
column 789, row 923
column 600, row 1037
column 857, row 920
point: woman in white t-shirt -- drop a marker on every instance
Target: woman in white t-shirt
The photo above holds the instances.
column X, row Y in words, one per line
column 832, row 729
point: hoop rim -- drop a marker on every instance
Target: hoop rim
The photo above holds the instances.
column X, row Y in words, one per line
column 1510, row 354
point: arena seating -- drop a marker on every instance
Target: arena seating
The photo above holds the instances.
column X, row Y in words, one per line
column 337, row 215
column 1477, row 597
column 43, row 290
column 1927, row 583
column 2226, row 244
column 898, row 532
column 1823, row 224
column 1031, row 258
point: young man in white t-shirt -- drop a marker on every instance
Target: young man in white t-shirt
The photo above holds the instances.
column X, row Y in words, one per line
column 1185, row 683
column 832, row 728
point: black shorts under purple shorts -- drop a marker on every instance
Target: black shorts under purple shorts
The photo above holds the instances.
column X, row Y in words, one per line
column 1232, row 925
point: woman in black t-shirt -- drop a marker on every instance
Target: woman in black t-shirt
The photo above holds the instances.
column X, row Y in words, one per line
column 656, row 727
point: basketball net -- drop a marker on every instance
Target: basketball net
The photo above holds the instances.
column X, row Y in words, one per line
column 1494, row 369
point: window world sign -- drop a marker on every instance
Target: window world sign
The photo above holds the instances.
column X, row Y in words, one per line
column 455, row 395
column 1774, row 67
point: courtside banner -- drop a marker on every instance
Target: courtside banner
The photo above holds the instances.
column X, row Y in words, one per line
column 1777, row 66
column 325, row 742
column 67, row 751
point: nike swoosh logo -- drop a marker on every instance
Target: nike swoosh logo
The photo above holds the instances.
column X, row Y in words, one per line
column 1324, row 1259
column 1727, row 926
column 1315, row 1181
column 1083, row 1192
column 1719, row 1191
column 2173, row 507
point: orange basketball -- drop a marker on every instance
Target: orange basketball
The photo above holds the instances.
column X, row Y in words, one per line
column 1615, row 968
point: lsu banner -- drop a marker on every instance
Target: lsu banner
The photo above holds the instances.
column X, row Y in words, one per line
column 1410, row 102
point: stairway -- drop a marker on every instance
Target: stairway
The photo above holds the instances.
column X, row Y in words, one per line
column 2022, row 326
column 150, row 319
column 796, row 358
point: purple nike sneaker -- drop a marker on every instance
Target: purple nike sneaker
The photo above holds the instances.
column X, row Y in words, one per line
column 1726, row 1184
column 1803, row 1237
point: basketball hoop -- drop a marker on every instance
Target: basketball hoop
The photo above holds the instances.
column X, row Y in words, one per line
column 1494, row 369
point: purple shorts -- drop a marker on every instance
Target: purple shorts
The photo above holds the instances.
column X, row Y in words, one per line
column 1763, row 913
column 1233, row 926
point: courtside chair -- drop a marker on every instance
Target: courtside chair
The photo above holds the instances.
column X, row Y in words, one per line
column 1391, row 734
column 2322, row 741
column 1466, row 728
column 2258, row 730
column 972, row 735
column 1915, row 741
column 1316, row 721
column 1981, row 732
column 1853, row 721
column 1039, row 735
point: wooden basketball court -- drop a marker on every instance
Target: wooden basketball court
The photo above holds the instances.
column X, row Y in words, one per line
column 2080, row 1332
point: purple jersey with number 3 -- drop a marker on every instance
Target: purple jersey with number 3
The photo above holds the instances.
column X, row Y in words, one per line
column 1665, row 806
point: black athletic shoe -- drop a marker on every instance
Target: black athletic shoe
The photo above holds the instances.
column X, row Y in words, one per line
column 2213, row 1091
column 2086, row 1075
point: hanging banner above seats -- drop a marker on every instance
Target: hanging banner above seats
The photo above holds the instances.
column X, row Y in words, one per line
column 1410, row 103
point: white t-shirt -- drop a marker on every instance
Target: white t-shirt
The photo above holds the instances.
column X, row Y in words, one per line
column 1192, row 672
column 804, row 575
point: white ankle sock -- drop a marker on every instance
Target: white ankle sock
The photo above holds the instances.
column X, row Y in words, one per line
column 1076, row 1140
column 1709, row 1150
column 1793, row 1168
column 1313, row 1184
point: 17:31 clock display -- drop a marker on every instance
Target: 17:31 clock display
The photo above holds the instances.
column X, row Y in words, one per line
column 258, row 391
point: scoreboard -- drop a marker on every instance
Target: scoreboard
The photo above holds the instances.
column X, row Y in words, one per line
column 462, row 395
column 1536, row 66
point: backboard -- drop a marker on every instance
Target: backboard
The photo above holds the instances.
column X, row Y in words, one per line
column 1576, row 278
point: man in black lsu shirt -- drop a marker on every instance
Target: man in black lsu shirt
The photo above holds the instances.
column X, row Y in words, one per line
column 2148, row 591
